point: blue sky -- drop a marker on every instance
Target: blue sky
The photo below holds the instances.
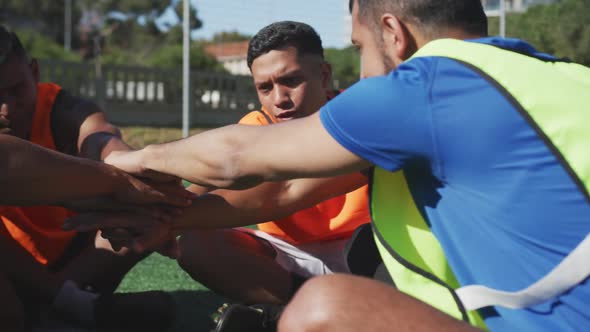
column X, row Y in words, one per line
column 328, row 17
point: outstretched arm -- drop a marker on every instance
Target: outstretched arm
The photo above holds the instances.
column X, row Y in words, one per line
column 31, row 175
column 24, row 166
column 223, row 208
column 241, row 156
column 268, row 201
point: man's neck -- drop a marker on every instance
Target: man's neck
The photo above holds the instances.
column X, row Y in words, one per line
column 453, row 33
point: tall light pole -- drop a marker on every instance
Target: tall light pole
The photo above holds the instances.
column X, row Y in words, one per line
column 185, row 68
column 503, row 18
column 68, row 26
column 501, row 14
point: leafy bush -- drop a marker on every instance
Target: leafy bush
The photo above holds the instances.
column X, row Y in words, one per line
column 41, row 47
column 561, row 28
column 345, row 65
column 172, row 57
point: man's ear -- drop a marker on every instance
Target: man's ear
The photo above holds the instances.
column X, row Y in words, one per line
column 35, row 69
column 396, row 37
column 326, row 70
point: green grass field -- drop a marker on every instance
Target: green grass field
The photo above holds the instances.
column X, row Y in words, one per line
column 195, row 303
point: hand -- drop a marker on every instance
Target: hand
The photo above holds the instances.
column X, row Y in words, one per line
column 128, row 230
column 132, row 162
column 119, row 239
column 160, row 239
column 132, row 223
column 107, row 240
column 150, row 192
column 4, row 121
column 106, row 204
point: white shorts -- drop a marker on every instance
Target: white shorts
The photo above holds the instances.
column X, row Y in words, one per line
column 307, row 259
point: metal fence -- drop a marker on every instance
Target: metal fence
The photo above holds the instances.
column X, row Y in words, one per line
column 143, row 96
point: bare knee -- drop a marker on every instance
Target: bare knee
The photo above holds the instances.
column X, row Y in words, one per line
column 314, row 307
column 346, row 303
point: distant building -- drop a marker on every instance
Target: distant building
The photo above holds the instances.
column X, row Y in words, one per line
column 347, row 30
column 232, row 55
column 513, row 5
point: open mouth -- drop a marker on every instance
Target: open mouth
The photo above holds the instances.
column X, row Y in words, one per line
column 287, row 115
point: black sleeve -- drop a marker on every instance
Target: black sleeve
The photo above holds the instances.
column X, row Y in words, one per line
column 67, row 115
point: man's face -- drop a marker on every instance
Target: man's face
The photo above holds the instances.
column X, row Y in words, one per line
column 374, row 61
column 18, row 90
column 290, row 85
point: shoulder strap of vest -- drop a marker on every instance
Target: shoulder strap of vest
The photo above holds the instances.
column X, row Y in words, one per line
column 557, row 86
column 41, row 132
column 268, row 119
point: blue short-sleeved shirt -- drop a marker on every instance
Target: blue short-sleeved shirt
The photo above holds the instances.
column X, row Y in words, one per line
column 503, row 208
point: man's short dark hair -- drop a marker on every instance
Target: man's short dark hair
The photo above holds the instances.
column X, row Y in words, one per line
column 280, row 35
column 10, row 45
column 428, row 15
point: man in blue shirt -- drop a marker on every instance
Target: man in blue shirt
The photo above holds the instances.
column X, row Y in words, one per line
column 501, row 201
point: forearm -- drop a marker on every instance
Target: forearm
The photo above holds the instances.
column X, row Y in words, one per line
column 215, row 211
column 268, row 201
column 230, row 208
column 208, row 159
column 97, row 146
column 239, row 157
column 32, row 175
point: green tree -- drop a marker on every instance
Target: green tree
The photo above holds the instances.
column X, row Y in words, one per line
column 561, row 28
column 43, row 16
column 41, row 47
column 345, row 65
column 119, row 56
column 135, row 31
column 148, row 11
column 172, row 57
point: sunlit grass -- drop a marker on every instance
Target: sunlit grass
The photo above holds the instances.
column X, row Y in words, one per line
column 139, row 137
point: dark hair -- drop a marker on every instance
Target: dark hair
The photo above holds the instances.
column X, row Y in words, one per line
column 282, row 34
column 10, row 45
column 429, row 15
